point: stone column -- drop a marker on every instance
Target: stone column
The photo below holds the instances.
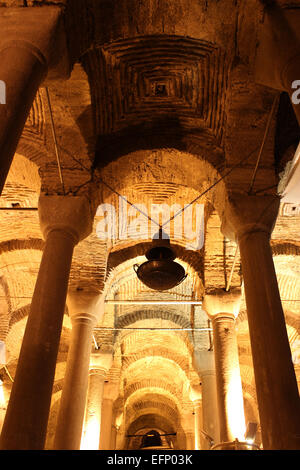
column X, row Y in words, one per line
column 250, row 219
column 120, row 426
column 114, row 434
column 204, row 364
column 84, row 309
column 100, row 364
column 222, row 308
column 106, row 424
column 187, row 421
column 22, row 69
column 198, row 424
column 25, row 59
column 64, row 222
column 196, row 397
column 190, row 439
column 111, row 391
column 278, row 55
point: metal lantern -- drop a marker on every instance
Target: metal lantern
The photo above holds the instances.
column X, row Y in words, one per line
column 160, row 272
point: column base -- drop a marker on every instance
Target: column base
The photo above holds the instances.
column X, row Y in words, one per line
column 235, row 445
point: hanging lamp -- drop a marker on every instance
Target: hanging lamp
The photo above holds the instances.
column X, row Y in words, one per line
column 160, row 272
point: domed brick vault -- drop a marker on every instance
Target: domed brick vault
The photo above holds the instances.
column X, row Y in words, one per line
column 159, row 103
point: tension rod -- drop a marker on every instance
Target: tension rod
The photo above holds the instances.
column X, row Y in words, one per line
column 153, row 302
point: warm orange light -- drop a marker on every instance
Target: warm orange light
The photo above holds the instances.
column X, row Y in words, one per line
column 91, row 435
column 119, row 419
column 197, row 437
column 2, row 404
column 235, row 406
column 2, row 398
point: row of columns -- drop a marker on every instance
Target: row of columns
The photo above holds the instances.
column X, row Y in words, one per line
column 249, row 221
column 36, row 54
column 205, row 401
column 84, row 314
column 99, row 407
column 64, row 222
column 222, row 310
column 67, row 220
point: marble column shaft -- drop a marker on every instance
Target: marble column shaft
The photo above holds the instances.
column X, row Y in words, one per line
column 64, row 222
column 250, row 220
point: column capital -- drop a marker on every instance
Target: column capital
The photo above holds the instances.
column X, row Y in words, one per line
column 197, row 403
column 98, row 371
column 40, row 30
column 220, row 303
column 187, row 421
column 244, row 214
column 204, row 362
column 70, row 214
column 101, row 360
column 111, row 391
column 278, row 49
column 85, row 306
column 196, row 394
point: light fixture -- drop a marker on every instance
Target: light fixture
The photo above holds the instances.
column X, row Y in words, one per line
column 160, row 272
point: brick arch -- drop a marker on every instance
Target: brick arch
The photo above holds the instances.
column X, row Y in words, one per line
column 285, row 248
column 250, row 404
column 242, row 317
column 169, row 369
column 57, row 386
column 165, row 353
column 125, row 286
column 184, row 336
column 6, row 307
column 32, row 150
column 160, row 408
column 142, row 422
column 21, row 252
column 19, row 314
column 251, row 411
column 24, row 170
column 292, row 320
column 191, row 168
column 159, row 413
column 22, row 244
column 140, row 397
column 147, row 314
column 150, row 384
column 149, row 421
column 165, row 406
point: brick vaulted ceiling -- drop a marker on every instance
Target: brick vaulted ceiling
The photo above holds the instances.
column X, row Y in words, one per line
column 160, row 102
column 160, row 80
